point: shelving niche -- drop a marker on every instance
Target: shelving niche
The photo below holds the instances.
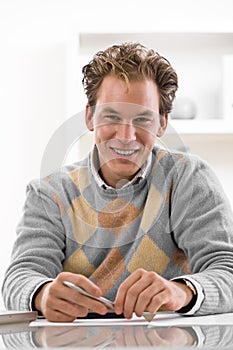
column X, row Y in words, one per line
column 198, row 59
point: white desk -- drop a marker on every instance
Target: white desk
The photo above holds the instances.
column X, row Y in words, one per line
column 215, row 332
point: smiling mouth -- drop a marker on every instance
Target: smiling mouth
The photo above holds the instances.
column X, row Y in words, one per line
column 124, row 152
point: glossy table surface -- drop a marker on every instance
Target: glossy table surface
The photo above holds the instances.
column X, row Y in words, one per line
column 23, row 336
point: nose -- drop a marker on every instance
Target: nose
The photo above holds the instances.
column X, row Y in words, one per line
column 126, row 131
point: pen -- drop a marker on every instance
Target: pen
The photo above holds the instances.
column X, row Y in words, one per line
column 103, row 300
column 147, row 315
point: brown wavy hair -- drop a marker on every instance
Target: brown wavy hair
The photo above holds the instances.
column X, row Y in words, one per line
column 131, row 62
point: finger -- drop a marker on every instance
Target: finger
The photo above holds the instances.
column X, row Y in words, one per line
column 61, row 291
column 119, row 339
column 155, row 338
column 81, row 281
column 130, row 339
column 145, row 297
column 142, row 279
column 66, row 308
column 93, row 305
column 141, row 337
column 132, row 297
column 75, row 297
column 122, row 291
column 61, row 336
column 159, row 301
column 57, row 316
column 138, row 294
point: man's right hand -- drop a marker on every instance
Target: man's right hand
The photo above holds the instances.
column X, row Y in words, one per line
column 59, row 303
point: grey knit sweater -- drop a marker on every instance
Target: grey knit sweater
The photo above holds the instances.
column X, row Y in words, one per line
column 176, row 221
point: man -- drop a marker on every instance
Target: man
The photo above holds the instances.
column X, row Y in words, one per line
column 146, row 227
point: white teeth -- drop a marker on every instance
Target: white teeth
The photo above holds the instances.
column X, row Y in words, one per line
column 124, row 153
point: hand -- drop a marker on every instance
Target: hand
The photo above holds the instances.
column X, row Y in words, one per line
column 72, row 337
column 144, row 337
column 59, row 303
column 147, row 291
column 130, row 336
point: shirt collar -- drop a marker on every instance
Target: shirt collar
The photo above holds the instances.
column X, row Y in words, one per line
column 141, row 174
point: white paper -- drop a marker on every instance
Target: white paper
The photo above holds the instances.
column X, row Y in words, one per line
column 161, row 319
column 168, row 320
column 135, row 321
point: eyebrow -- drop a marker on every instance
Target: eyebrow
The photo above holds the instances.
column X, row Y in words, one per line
column 110, row 110
column 147, row 112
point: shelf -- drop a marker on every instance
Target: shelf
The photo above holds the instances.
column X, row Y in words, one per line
column 208, row 126
column 164, row 42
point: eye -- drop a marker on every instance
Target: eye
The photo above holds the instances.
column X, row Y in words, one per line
column 112, row 118
column 142, row 120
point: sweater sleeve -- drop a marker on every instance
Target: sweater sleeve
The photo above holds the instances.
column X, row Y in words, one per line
column 202, row 223
column 38, row 251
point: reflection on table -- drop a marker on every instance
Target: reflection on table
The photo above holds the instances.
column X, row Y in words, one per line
column 21, row 336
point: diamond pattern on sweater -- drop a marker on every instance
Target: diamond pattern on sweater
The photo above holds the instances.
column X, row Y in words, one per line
column 80, row 178
column 79, row 263
column 117, row 215
column 83, row 219
column 154, row 201
column 59, row 202
column 149, row 257
column 107, row 274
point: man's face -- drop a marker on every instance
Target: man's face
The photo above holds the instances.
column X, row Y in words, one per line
column 126, row 122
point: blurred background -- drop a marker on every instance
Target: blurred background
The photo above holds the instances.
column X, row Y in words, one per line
column 44, row 44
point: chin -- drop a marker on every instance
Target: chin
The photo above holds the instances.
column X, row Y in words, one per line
column 125, row 171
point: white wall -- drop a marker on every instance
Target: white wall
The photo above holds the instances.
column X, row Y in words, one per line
column 32, row 95
column 37, row 92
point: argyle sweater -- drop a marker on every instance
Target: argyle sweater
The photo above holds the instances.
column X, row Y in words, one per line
column 176, row 221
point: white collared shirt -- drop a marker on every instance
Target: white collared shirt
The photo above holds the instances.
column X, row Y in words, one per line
column 141, row 174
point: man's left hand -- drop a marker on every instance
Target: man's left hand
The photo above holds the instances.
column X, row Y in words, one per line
column 147, row 291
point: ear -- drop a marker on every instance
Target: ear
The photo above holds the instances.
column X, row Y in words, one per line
column 89, row 118
column 163, row 125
